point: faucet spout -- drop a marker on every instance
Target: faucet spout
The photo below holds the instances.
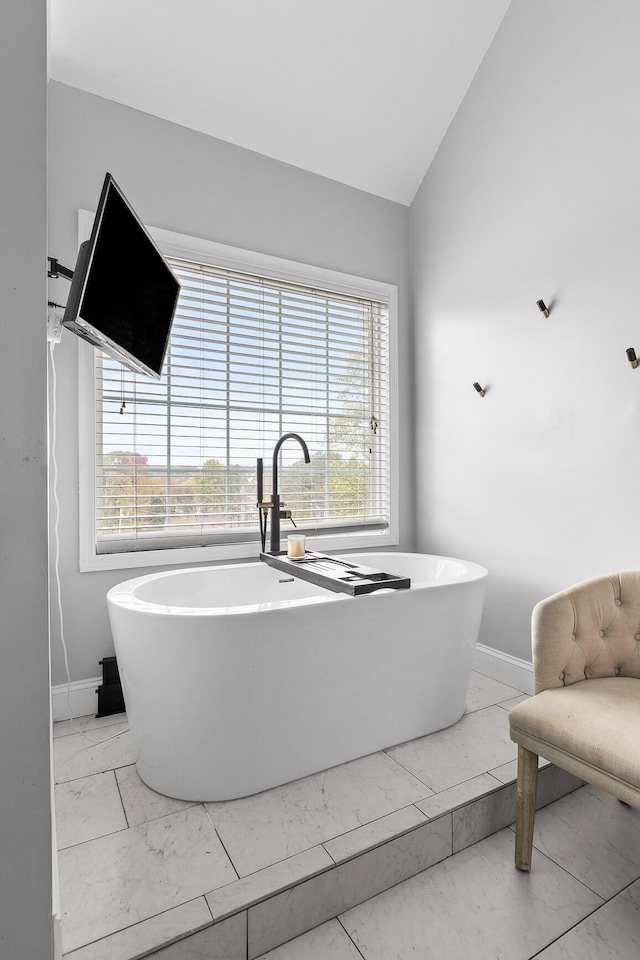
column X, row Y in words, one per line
column 276, row 451
column 275, row 495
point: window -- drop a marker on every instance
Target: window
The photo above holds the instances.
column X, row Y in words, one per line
column 257, row 349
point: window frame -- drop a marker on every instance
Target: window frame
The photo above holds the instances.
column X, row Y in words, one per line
column 234, row 258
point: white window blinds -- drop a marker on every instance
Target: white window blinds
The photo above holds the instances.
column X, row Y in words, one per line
column 250, row 358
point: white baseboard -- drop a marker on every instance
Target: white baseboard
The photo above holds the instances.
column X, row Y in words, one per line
column 83, row 697
column 505, row 668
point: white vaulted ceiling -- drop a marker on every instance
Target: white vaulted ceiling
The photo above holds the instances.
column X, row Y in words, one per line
column 360, row 91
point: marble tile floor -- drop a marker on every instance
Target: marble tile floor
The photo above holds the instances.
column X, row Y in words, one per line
column 581, row 900
column 144, row 875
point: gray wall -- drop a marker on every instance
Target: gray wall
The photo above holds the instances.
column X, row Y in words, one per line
column 26, row 928
column 184, row 181
column 534, row 194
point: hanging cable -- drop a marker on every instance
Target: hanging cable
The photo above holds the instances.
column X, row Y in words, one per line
column 56, row 549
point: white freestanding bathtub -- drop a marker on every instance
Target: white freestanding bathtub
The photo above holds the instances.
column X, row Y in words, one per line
column 237, row 678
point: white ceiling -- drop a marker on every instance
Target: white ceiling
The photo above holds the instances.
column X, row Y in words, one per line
column 360, row 91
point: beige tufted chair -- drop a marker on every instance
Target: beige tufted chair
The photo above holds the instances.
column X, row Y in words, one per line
column 585, row 713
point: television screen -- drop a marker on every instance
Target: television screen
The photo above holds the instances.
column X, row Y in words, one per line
column 123, row 294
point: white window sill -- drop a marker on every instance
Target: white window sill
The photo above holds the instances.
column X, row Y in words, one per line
column 232, row 552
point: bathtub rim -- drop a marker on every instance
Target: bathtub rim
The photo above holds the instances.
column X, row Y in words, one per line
column 122, row 594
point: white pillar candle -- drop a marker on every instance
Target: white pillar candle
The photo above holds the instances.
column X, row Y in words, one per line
column 295, row 546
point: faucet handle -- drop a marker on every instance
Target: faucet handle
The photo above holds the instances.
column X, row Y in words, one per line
column 286, row 515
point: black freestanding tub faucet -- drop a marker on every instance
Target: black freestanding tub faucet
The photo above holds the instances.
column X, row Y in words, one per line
column 275, row 507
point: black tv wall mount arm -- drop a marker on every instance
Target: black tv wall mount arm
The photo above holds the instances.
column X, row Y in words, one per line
column 57, row 270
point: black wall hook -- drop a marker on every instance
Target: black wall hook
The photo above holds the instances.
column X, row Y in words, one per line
column 631, row 357
column 543, row 308
column 479, row 389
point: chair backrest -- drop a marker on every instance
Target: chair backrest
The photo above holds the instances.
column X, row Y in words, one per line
column 590, row 630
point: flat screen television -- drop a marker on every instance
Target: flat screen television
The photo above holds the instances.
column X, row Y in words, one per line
column 123, row 294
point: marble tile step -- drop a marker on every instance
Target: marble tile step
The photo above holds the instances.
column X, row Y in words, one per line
column 247, row 917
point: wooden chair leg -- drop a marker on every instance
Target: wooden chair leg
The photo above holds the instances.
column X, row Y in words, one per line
column 525, row 806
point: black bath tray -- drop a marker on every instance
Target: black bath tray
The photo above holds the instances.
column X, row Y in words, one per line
column 337, row 575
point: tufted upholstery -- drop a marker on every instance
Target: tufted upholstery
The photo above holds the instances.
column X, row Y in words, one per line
column 590, row 630
column 585, row 714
